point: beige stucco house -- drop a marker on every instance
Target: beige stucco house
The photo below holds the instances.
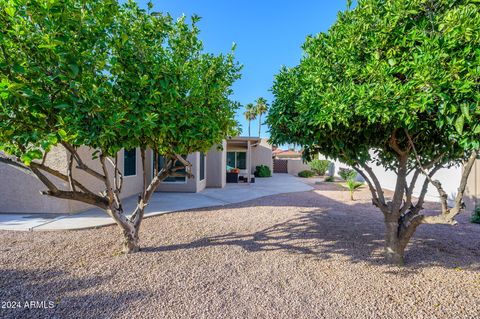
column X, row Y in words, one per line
column 209, row 170
column 473, row 188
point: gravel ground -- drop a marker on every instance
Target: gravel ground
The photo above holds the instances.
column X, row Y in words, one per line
column 304, row 255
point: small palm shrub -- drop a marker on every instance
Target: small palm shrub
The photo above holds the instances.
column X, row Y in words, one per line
column 347, row 174
column 306, row 174
column 320, row 167
column 353, row 186
column 476, row 216
column 262, row 171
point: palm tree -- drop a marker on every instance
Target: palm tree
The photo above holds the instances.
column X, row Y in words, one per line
column 262, row 108
column 250, row 114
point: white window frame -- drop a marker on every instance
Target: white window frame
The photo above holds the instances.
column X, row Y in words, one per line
column 185, row 181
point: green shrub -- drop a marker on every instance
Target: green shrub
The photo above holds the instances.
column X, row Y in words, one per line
column 476, row 216
column 262, row 171
column 347, row 174
column 306, row 174
column 319, row 166
column 329, row 179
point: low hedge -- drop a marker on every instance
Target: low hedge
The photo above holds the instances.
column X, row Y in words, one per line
column 262, row 171
column 476, row 216
column 306, row 174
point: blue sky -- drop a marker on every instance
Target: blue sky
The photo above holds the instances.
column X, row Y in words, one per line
column 268, row 34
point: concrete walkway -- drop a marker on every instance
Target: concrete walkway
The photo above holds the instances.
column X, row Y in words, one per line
column 160, row 203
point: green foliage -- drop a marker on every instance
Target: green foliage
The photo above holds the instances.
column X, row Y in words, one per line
column 476, row 216
column 108, row 76
column 383, row 69
column 350, row 175
column 261, row 107
column 262, row 171
column 352, row 185
column 329, row 179
column 347, row 174
column 320, row 167
column 250, row 115
column 306, row 174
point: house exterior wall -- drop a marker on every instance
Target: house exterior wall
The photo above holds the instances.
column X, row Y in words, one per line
column 14, row 182
column 192, row 185
column 132, row 185
column 294, row 166
column 262, row 155
column 472, row 198
column 217, row 166
column 20, row 192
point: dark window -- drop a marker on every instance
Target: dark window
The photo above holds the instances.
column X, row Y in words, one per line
column 173, row 179
column 241, row 160
column 202, row 166
column 236, row 160
column 230, row 160
column 130, row 162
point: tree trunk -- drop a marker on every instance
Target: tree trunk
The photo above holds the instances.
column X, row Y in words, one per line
column 394, row 248
column 259, row 124
column 130, row 241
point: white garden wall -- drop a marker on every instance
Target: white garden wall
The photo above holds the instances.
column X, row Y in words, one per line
column 450, row 179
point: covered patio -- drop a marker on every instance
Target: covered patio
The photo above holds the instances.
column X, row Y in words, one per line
column 243, row 155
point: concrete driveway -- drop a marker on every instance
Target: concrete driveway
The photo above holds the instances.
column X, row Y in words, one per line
column 160, row 203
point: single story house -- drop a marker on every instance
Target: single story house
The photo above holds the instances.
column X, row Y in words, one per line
column 209, row 170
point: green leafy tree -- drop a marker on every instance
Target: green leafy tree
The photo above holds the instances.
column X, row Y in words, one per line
column 347, row 173
column 320, row 167
column 261, row 107
column 393, row 83
column 104, row 77
column 250, row 115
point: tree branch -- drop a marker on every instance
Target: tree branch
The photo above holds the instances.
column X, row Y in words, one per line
column 436, row 183
column 10, row 161
column 401, row 184
column 70, row 173
column 378, row 187
column 409, row 192
column 81, row 165
column 118, row 176
column 393, row 142
column 375, row 200
column 53, row 191
column 61, row 176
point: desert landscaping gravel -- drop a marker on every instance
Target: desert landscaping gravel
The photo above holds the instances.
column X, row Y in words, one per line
column 303, row 255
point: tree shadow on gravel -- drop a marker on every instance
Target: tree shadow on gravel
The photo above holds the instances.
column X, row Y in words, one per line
column 71, row 297
column 353, row 230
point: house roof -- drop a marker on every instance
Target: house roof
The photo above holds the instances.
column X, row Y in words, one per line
column 286, row 153
column 244, row 138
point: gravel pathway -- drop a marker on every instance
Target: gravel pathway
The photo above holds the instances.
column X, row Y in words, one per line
column 303, row 255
